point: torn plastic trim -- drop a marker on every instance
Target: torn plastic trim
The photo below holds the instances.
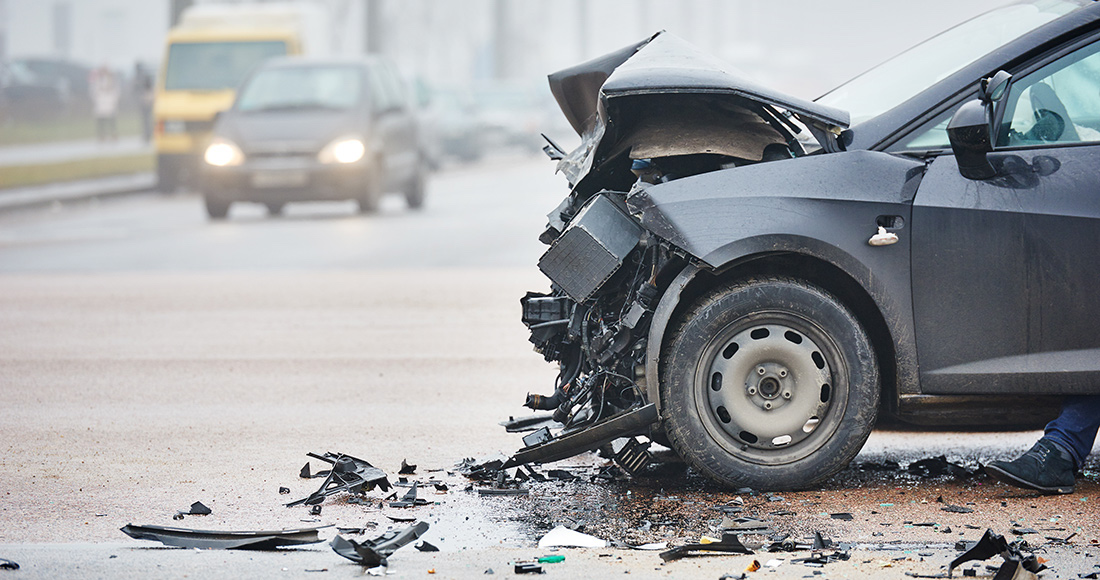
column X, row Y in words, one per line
column 373, row 553
column 629, row 423
column 216, row 540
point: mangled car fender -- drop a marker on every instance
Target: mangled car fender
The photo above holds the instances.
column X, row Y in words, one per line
column 795, row 213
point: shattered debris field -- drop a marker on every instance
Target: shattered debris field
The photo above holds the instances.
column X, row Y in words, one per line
column 144, row 417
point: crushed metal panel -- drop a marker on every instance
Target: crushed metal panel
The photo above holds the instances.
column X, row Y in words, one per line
column 216, row 540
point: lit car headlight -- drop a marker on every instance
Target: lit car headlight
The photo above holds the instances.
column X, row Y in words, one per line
column 223, row 153
column 344, row 150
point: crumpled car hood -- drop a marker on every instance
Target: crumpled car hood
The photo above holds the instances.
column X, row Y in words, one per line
column 666, row 64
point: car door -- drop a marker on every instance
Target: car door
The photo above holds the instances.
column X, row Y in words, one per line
column 1006, row 271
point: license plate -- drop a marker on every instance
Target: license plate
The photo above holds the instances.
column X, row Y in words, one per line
column 279, row 178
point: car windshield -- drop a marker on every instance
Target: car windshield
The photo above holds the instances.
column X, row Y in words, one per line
column 301, row 87
column 896, row 80
column 215, row 66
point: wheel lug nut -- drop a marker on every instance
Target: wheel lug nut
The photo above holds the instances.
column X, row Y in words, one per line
column 783, row 373
column 767, row 405
column 752, row 390
column 786, row 394
column 760, row 371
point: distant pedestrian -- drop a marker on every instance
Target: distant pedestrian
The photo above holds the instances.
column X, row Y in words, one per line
column 143, row 93
column 104, row 88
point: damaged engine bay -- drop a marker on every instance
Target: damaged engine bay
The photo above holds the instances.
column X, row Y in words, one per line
column 648, row 114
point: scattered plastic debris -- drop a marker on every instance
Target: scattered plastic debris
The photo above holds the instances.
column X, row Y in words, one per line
column 233, row 540
column 528, row 569
column 842, row 516
column 937, row 467
column 555, row 559
column 957, row 509
column 426, row 547
column 409, row 499
column 729, row 544
column 374, row 553
column 563, row 537
column 284, row 490
column 196, row 509
column 993, row 544
column 348, row 474
column 6, row 564
column 406, row 469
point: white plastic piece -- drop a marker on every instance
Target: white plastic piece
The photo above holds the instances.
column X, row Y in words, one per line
column 883, row 238
column 563, row 537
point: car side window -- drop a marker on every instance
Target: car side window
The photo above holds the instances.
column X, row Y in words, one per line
column 1058, row 103
column 931, row 135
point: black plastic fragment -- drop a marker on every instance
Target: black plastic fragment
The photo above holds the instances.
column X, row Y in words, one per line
column 527, row 569
column 631, row 455
column 993, row 544
column 936, row 467
column 406, row 469
column 197, row 509
column 730, row 544
column 957, row 509
column 348, row 474
column 6, row 564
column 409, row 499
column 373, row 553
column 233, row 540
column 426, row 547
column 530, row 423
column 284, row 490
column 821, row 542
column 315, row 510
column 842, row 516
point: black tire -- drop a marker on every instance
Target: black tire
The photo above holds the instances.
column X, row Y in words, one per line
column 217, row 209
column 168, row 175
column 787, row 407
column 416, row 189
column 371, row 192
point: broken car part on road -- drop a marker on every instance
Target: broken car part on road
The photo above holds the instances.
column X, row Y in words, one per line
column 372, row 553
column 216, row 540
column 348, row 474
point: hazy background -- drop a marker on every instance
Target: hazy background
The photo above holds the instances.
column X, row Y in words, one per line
column 800, row 46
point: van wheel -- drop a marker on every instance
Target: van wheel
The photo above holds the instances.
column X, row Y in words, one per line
column 769, row 383
column 215, row 208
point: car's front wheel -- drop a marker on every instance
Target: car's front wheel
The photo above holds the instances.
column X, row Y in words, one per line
column 217, row 209
column 769, row 383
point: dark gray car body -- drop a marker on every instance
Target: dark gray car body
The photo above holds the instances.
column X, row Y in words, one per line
column 982, row 312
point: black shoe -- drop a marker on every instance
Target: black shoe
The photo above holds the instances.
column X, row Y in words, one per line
column 1046, row 467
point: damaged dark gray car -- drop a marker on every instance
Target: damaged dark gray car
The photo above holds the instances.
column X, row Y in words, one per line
column 754, row 280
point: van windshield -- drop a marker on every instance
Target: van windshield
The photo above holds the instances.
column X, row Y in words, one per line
column 301, row 87
column 215, row 66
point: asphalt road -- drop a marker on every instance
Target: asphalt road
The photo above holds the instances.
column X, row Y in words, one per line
column 150, row 359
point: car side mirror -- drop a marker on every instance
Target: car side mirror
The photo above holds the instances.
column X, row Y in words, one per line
column 971, row 128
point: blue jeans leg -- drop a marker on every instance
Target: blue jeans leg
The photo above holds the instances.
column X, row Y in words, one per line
column 1075, row 428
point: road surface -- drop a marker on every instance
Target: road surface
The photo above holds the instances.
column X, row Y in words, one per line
column 150, row 359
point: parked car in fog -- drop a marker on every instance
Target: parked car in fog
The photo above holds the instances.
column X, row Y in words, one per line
column 315, row 129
